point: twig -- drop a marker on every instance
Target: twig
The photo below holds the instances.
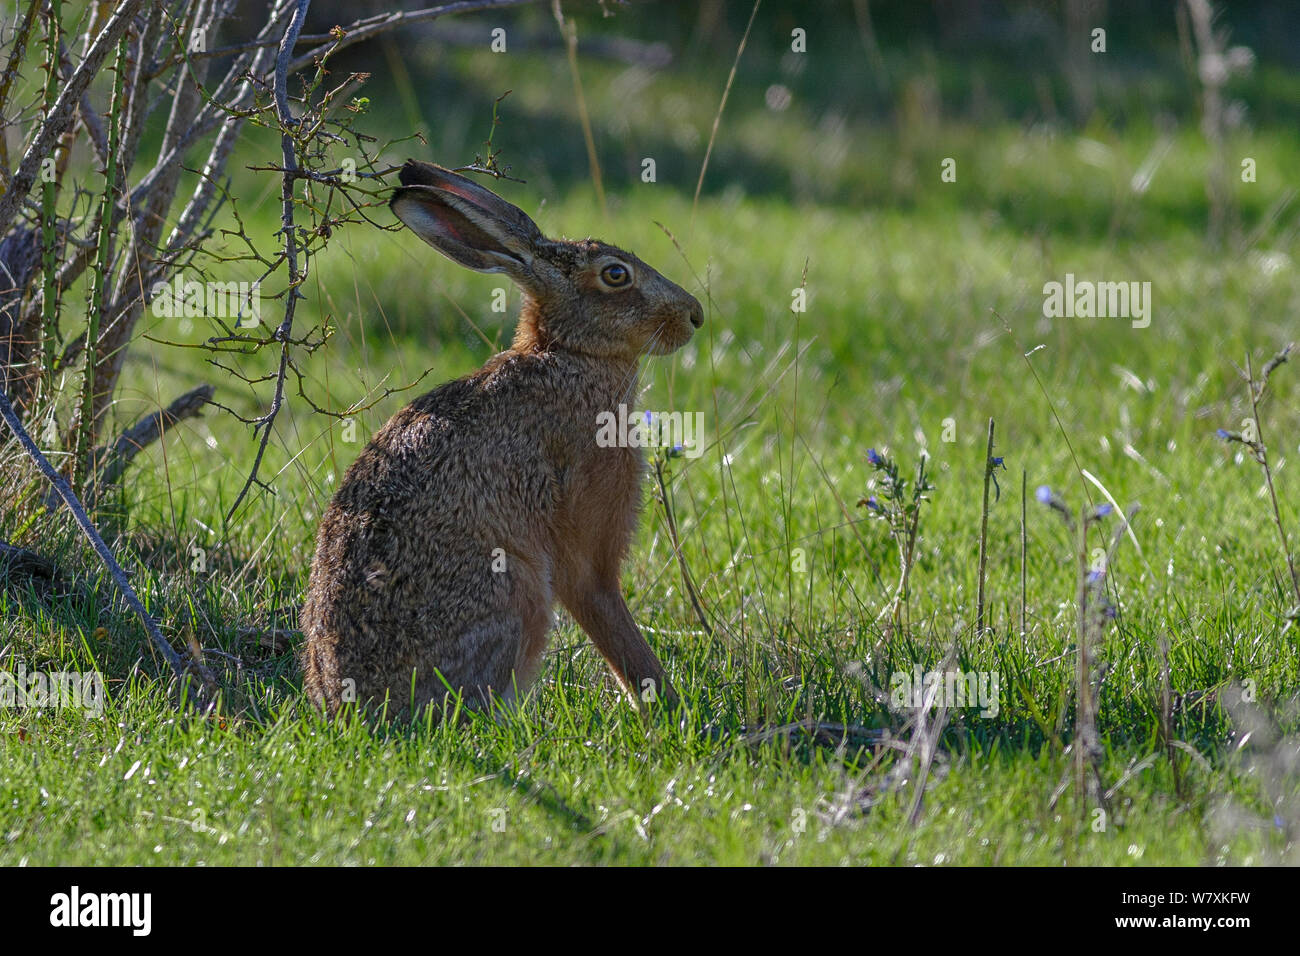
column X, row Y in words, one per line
column 1091, row 623
column 1273, row 364
column 656, row 55
column 47, row 326
column 86, row 112
column 20, row 256
column 138, row 265
column 181, row 671
column 289, row 158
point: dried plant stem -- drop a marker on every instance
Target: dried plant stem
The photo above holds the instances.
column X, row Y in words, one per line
column 1024, row 558
column 1092, row 624
column 717, row 119
column 1166, row 717
column 984, row 536
column 1268, row 476
column 894, row 610
column 924, row 743
column 569, row 31
column 1087, row 742
column 1211, row 47
column 687, row 582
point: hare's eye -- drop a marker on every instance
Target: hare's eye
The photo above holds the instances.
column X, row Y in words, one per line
column 616, row 275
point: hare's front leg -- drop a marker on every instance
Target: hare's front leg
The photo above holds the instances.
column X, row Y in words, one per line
column 604, row 615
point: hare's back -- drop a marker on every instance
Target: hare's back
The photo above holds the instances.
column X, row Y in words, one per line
column 449, row 471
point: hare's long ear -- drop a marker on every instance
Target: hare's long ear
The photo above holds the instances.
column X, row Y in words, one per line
column 465, row 222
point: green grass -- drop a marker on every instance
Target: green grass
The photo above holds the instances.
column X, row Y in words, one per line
column 922, row 299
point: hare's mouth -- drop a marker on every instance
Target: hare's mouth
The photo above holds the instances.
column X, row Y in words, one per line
column 673, row 332
column 670, row 337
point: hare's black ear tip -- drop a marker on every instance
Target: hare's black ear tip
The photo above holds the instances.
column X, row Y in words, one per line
column 410, row 173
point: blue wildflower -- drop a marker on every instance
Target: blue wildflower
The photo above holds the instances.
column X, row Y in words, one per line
column 1223, row 434
column 1044, row 495
column 1102, row 511
column 875, row 458
column 874, row 505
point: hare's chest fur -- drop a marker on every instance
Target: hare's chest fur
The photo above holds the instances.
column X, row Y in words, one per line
column 597, row 503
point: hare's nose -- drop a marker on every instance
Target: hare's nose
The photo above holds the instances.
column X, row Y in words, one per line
column 697, row 313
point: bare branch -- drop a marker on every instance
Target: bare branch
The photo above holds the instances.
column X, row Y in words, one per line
column 289, row 156
column 11, row 71
column 86, row 113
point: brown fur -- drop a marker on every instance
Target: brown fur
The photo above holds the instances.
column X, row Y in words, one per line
column 403, row 599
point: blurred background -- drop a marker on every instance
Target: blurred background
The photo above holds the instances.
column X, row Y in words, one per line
column 881, row 89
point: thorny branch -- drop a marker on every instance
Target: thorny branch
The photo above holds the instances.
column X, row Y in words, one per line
column 61, row 116
column 289, row 156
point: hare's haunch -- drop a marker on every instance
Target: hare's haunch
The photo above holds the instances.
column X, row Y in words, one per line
column 480, row 504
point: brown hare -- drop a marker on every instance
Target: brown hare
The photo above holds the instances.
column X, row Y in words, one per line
column 480, row 504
